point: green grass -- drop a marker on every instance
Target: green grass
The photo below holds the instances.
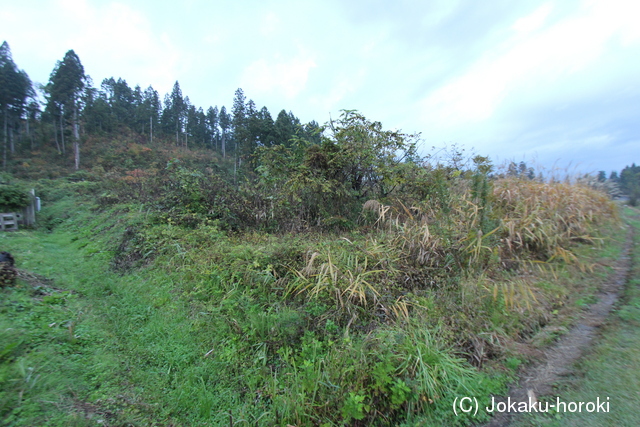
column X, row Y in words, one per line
column 131, row 338
column 612, row 369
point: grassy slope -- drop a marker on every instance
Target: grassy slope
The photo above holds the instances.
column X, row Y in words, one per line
column 143, row 348
column 612, row 369
column 131, row 349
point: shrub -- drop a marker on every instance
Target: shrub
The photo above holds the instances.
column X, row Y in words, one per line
column 12, row 198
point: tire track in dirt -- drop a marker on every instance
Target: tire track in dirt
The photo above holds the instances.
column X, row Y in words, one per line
column 558, row 360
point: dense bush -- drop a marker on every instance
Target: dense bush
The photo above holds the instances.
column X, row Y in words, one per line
column 12, row 198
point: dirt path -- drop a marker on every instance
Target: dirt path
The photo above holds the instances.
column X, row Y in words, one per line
column 558, row 360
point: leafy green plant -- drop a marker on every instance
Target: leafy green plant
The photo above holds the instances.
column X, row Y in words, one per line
column 354, row 407
column 12, row 198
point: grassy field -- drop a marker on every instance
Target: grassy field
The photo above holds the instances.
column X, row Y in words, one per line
column 123, row 318
column 93, row 347
column 612, row 370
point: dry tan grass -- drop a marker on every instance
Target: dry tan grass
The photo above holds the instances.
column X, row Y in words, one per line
column 347, row 279
column 533, row 220
column 523, row 223
column 545, row 217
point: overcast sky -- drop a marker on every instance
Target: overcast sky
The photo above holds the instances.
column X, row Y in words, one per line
column 548, row 82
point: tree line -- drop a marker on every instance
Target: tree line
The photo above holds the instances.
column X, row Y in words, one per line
column 629, row 182
column 72, row 106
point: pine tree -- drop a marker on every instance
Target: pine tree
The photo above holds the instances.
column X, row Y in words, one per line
column 173, row 115
column 212, row 126
column 267, row 132
column 199, row 130
column 239, row 122
column 614, row 176
column 188, row 119
column 97, row 111
column 195, row 123
column 285, row 126
column 15, row 88
column 150, row 109
column 33, row 117
column 251, row 130
column 139, row 118
column 65, row 88
column 225, row 124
